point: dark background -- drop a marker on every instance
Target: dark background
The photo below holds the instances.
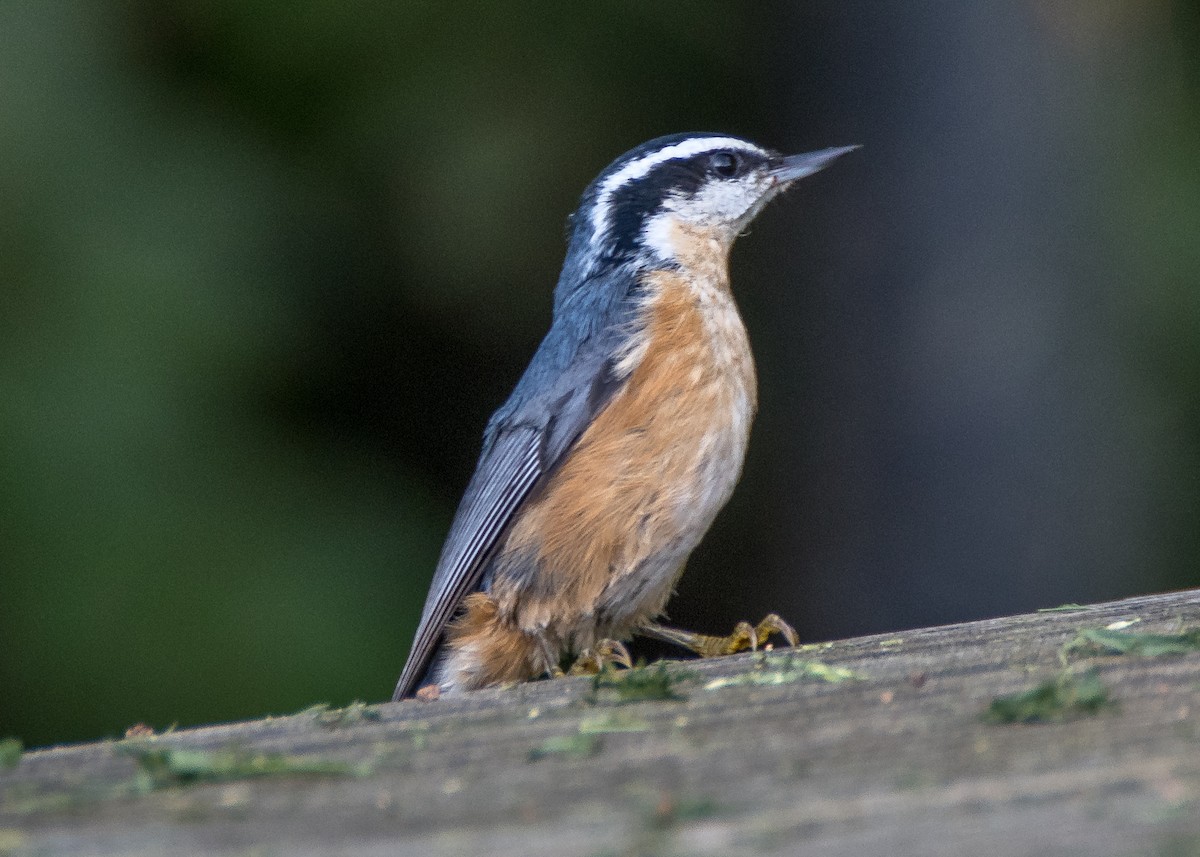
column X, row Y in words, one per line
column 266, row 268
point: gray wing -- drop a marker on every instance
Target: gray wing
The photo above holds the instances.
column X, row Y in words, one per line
column 526, row 438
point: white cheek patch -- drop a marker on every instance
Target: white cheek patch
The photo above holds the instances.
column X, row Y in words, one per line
column 658, row 236
column 724, row 207
column 724, row 202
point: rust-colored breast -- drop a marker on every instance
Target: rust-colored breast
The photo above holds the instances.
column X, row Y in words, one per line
column 600, row 549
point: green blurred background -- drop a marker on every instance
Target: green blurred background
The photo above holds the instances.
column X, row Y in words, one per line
column 265, row 269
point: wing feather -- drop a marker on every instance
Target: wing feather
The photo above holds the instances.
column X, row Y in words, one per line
column 501, row 481
column 570, row 380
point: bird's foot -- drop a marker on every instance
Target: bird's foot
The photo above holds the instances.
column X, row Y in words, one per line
column 745, row 636
column 606, row 651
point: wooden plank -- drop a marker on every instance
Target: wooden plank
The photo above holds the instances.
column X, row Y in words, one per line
column 900, row 762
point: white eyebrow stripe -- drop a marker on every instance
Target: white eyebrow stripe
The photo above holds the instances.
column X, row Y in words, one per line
column 639, row 167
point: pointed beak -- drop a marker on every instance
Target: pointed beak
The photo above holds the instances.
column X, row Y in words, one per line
column 792, row 167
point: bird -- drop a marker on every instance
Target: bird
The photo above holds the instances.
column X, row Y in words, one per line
column 624, row 437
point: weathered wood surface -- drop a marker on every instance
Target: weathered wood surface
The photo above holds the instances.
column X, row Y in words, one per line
column 899, row 763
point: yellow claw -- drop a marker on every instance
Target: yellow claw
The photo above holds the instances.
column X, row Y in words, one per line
column 606, row 651
column 745, row 636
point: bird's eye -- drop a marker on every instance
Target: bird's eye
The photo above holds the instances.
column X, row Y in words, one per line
column 725, row 164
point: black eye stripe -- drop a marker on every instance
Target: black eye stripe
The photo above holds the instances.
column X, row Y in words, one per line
column 613, row 214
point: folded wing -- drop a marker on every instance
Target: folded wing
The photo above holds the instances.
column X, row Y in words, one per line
column 560, row 394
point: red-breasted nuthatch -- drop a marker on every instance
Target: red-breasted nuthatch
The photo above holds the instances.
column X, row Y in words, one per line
column 624, row 437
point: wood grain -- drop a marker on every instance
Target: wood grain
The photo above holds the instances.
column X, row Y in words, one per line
column 898, row 763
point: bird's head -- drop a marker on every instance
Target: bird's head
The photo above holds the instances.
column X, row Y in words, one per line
column 659, row 202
